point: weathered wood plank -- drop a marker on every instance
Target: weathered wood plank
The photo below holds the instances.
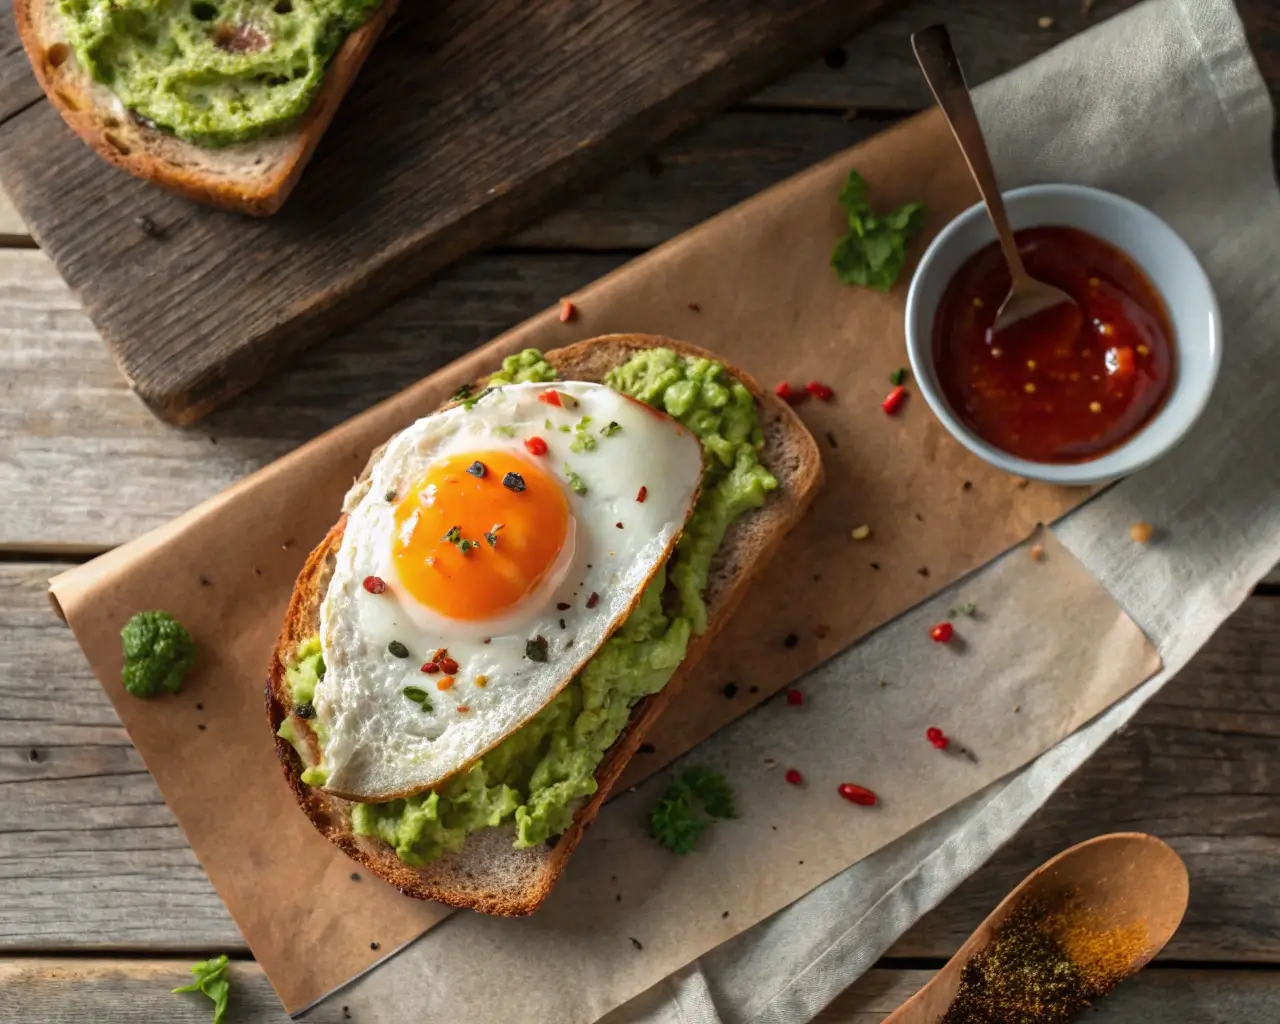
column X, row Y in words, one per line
column 431, row 157
column 38, row 991
column 877, row 70
column 84, row 466
column 13, row 231
column 109, row 866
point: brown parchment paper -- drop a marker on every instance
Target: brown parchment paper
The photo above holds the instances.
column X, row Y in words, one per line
column 753, row 285
column 629, row 913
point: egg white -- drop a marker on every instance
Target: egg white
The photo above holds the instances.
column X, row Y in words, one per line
column 378, row 743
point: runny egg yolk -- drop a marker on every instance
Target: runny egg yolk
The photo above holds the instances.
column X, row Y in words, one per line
column 441, row 552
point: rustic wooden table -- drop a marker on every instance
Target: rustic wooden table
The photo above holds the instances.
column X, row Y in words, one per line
column 103, row 903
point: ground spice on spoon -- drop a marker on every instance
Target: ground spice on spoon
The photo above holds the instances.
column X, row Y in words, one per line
column 1044, row 966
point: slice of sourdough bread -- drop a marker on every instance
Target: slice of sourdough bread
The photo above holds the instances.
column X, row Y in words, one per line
column 252, row 177
column 488, row 874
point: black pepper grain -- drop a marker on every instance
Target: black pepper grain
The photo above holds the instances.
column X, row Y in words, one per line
column 790, row 640
column 730, row 690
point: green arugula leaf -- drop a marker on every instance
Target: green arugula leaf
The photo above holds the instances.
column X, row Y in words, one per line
column 874, row 252
column 674, row 819
column 211, row 979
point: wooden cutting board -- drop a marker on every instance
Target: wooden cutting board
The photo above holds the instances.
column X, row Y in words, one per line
column 470, row 120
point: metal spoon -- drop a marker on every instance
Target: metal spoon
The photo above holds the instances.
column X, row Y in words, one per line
column 942, row 71
column 1122, row 879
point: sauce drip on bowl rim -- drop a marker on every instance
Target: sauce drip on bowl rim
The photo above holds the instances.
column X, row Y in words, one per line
column 1063, row 386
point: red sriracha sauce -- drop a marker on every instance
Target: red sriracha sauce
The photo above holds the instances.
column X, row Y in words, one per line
column 1066, row 385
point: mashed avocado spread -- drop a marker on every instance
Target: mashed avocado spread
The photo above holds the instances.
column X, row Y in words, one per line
column 212, row 72
column 537, row 777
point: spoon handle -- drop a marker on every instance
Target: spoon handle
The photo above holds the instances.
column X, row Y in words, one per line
column 942, row 71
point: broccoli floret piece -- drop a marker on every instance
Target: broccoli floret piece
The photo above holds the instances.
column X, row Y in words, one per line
column 158, row 652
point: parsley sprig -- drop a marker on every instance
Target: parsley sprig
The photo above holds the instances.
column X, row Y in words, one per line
column 696, row 797
column 211, row 979
column 874, row 251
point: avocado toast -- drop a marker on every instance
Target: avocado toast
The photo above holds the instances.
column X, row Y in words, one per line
column 223, row 109
column 481, row 867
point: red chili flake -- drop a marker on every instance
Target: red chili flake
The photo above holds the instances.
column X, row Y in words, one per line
column 463, row 709
column 535, row 445
column 893, row 402
column 820, row 391
column 793, row 777
column 857, row 794
column 568, row 311
column 937, row 737
column 375, row 584
column 790, row 395
column 794, row 698
column 562, row 606
column 448, row 666
column 942, row 633
column 431, row 668
column 642, row 494
column 550, row 398
column 593, row 600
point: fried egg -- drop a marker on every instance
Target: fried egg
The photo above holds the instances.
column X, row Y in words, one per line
column 495, row 547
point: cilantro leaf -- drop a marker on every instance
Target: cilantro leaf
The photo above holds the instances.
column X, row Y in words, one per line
column 874, row 252
column 712, row 789
column 211, row 979
column 674, row 823
column 674, row 819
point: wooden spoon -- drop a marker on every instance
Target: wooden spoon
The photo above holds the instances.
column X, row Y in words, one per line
column 1122, row 879
column 1027, row 296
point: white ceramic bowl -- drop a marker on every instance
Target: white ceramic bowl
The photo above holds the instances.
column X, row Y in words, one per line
column 1168, row 263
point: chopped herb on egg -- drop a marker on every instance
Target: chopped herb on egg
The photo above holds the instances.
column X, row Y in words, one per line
column 611, row 428
column 470, row 403
column 454, row 537
column 505, row 430
column 491, row 535
column 419, row 696
column 575, row 482
column 536, row 649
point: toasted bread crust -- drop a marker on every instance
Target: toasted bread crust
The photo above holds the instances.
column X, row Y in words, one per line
column 488, row 874
column 270, row 167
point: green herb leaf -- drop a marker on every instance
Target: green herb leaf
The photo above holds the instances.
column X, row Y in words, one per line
column 470, row 402
column 693, row 800
column 611, row 428
column 874, row 251
column 968, row 609
column 575, row 482
column 712, row 789
column 583, row 443
column 675, row 824
column 898, row 376
column 211, row 979
column 505, row 430
column 491, row 535
column 419, row 696
column 462, row 392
